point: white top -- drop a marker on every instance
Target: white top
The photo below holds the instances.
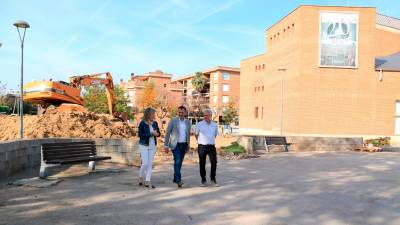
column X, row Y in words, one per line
column 182, row 131
column 206, row 132
column 152, row 143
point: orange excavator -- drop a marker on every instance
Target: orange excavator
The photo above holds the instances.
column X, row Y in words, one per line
column 67, row 96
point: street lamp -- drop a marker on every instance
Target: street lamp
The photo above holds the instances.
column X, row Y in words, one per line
column 283, row 70
column 23, row 25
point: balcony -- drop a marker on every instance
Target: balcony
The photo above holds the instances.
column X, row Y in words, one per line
column 176, row 86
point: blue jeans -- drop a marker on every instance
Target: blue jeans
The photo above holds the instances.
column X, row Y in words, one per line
column 179, row 154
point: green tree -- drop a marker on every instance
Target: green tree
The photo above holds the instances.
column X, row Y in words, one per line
column 121, row 102
column 96, row 99
column 230, row 114
column 198, row 83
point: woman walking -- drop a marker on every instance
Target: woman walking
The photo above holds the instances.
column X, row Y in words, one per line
column 148, row 133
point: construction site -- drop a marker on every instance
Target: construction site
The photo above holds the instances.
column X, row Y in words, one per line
column 61, row 112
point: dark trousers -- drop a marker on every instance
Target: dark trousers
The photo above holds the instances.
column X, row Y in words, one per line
column 209, row 150
column 179, row 154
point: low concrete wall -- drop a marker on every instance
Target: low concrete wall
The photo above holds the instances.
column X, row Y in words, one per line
column 22, row 154
column 301, row 144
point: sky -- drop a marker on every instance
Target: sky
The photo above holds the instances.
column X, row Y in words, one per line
column 180, row 37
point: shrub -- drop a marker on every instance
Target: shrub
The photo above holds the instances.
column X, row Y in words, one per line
column 235, row 148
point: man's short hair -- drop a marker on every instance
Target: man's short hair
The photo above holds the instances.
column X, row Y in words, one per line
column 182, row 107
column 207, row 111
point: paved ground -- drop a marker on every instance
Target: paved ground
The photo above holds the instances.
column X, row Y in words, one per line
column 283, row 188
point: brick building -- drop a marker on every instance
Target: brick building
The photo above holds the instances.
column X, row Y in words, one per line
column 168, row 92
column 222, row 86
column 322, row 75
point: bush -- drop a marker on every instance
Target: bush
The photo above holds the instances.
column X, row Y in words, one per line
column 234, row 148
column 4, row 109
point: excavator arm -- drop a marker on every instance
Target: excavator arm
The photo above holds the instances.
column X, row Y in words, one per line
column 95, row 79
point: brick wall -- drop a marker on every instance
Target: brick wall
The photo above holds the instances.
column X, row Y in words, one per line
column 304, row 144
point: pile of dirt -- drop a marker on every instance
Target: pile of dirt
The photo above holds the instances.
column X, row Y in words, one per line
column 65, row 124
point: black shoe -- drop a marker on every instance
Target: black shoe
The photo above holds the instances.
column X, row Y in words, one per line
column 180, row 184
column 203, row 182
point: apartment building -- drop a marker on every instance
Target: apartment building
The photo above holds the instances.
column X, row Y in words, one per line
column 168, row 91
column 222, row 87
column 326, row 71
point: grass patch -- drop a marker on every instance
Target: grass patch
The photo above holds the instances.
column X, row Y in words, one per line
column 235, row 148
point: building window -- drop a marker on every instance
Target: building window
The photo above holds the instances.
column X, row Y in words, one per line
column 255, row 89
column 225, row 99
column 225, row 87
column 165, row 85
column 263, row 66
column 262, row 112
column 256, row 112
column 262, row 88
column 258, row 89
column 215, row 87
column 215, row 76
column 225, row 76
column 215, row 99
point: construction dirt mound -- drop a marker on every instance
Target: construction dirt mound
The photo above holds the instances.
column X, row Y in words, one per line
column 65, row 124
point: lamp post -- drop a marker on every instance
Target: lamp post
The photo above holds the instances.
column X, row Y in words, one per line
column 23, row 25
column 283, row 70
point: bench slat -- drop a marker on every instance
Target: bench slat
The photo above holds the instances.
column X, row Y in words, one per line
column 67, row 146
column 77, row 160
column 68, row 150
column 67, row 156
column 68, row 143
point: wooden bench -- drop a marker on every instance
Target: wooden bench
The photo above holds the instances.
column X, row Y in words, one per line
column 276, row 140
column 56, row 154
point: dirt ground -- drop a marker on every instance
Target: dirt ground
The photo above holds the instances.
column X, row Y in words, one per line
column 347, row 188
column 64, row 124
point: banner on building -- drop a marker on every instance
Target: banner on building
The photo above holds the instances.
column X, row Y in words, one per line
column 338, row 39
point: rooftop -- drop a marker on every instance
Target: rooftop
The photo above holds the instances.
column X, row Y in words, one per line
column 380, row 18
column 388, row 21
column 209, row 70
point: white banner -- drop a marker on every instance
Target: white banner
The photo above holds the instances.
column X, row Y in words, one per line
column 338, row 39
